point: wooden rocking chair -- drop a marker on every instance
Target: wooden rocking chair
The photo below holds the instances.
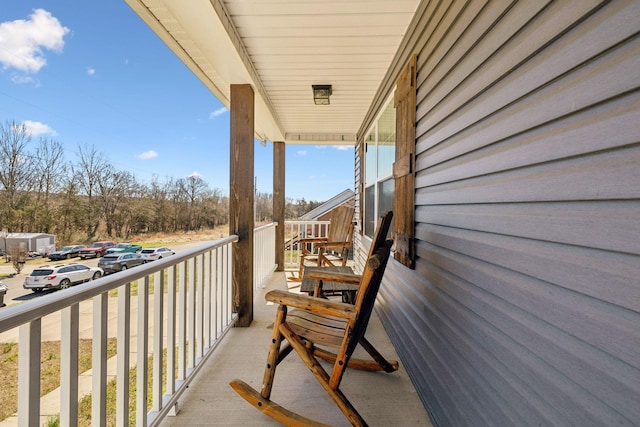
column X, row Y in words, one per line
column 331, row 250
column 320, row 322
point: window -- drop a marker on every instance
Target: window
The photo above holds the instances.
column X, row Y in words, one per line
column 380, row 147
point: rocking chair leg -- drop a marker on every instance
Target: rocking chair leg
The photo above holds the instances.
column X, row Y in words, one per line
column 387, row 366
column 322, row 377
column 274, row 350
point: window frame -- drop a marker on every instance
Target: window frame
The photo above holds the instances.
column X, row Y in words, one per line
column 370, row 219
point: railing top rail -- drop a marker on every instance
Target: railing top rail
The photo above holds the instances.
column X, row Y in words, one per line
column 311, row 221
column 14, row 316
column 265, row 226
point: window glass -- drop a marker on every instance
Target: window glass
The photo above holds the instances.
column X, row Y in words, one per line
column 379, row 157
column 370, row 158
column 369, row 210
column 385, row 196
column 386, row 141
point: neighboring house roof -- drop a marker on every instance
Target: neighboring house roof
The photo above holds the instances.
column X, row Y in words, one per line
column 27, row 235
column 329, row 205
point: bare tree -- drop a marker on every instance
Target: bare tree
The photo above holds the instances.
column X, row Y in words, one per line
column 16, row 171
column 115, row 190
column 41, row 192
column 195, row 188
column 160, row 211
column 69, row 213
column 263, row 207
column 93, row 165
column 49, row 179
column 215, row 208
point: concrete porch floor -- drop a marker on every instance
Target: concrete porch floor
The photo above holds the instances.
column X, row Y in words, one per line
column 382, row 399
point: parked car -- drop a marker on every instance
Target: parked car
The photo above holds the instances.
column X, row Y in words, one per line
column 152, row 254
column 3, row 292
column 96, row 250
column 66, row 252
column 60, row 276
column 124, row 247
column 112, row 263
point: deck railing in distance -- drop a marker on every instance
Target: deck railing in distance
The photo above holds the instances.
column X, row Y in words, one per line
column 264, row 253
column 185, row 299
column 296, row 230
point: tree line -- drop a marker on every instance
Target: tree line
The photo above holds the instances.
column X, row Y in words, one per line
column 41, row 191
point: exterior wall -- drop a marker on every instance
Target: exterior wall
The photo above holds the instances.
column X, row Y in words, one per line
column 524, row 306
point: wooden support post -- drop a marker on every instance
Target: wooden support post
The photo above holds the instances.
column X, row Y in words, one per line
column 278, row 201
column 241, row 199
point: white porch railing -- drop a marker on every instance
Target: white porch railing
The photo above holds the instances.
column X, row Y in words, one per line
column 296, row 230
column 264, row 253
column 184, row 299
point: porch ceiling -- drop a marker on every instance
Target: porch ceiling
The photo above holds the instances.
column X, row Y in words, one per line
column 281, row 48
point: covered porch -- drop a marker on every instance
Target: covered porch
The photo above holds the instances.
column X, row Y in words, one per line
column 187, row 300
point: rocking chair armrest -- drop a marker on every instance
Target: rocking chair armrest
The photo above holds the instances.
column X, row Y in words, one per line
column 313, row 240
column 333, row 276
column 333, row 245
column 317, row 305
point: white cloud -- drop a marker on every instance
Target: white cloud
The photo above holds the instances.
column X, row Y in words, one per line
column 194, row 174
column 343, row 147
column 302, row 153
column 151, row 154
column 23, row 79
column 91, row 71
column 23, row 41
column 218, row 112
column 37, row 128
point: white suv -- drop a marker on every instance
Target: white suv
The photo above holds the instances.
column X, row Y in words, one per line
column 152, row 254
column 60, row 276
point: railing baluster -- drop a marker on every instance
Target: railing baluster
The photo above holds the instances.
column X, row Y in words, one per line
column 122, row 372
column 191, row 319
column 171, row 331
column 206, row 283
column 158, row 335
column 228, row 297
column 199, row 307
column 69, row 365
column 142, row 348
column 29, row 373
column 217, row 286
column 99, row 361
column 182, row 322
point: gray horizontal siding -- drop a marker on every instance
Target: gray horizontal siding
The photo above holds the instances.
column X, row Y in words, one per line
column 524, row 307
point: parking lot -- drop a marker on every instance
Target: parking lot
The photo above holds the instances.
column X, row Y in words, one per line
column 17, row 294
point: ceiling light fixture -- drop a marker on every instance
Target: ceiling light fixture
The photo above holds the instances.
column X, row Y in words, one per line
column 321, row 94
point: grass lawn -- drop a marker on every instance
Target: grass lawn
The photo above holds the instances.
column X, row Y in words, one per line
column 50, row 370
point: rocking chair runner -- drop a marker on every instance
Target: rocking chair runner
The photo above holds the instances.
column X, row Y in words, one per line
column 320, row 322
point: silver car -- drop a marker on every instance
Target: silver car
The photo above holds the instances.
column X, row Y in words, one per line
column 112, row 263
column 60, row 276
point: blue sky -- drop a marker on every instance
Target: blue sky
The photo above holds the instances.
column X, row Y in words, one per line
column 93, row 74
